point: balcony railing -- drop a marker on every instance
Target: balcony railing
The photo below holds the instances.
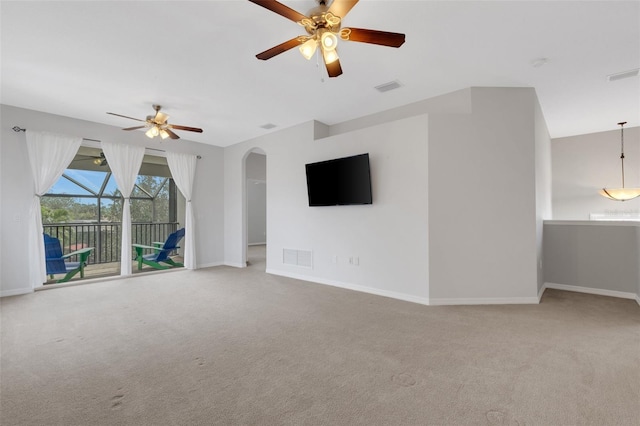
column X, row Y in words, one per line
column 106, row 237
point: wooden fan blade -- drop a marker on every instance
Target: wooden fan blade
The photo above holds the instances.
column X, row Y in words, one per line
column 341, row 7
column 334, row 69
column 161, row 117
column 382, row 38
column 124, row 116
column 280, row 9
column 187, row 128
column 283, row 47
column 135, row 128
column 171, row 134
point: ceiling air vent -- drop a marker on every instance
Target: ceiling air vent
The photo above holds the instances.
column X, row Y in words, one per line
column 268, row 126
column 388, row 86
column 621, row 75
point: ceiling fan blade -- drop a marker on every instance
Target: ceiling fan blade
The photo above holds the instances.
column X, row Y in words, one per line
column 334, row 69
column 283, row 47
column 340, row 8
column 124, row 116
column 187, row 128
column 280, row 9
column 135, row 128
column 171, row 134
column 161, row 118
column 382, row 38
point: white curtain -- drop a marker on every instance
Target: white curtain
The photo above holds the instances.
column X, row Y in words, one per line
column 49, row 156
column 183, row 171
column 124, row 162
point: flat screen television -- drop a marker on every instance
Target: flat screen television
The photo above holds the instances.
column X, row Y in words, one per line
column 339, row 182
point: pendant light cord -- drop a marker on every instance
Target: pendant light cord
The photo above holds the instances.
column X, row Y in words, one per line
column 622, row 148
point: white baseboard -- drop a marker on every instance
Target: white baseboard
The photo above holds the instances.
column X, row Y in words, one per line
column 210, row 265
column 235, row 264
column 257, row 244
column 485, row 301
column 355, row 287
column 598, row 291
column 541, row 292
column 15, row 292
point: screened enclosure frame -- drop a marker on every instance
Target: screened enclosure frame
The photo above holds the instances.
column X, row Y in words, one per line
column 99, row 195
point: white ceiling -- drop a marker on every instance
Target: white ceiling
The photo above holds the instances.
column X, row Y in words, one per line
column 197, row 58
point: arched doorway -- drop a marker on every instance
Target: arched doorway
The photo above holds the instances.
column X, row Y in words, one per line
column 255, row 208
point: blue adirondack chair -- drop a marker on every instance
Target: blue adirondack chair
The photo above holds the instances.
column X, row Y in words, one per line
column 160, row 252
column 55, row 260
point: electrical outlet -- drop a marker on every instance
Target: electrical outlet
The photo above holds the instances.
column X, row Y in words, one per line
column 356, row 261
column 335, row 258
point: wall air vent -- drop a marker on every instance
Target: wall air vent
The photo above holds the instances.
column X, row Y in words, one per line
column 388, row 86
column 303, row 258
column 622, row 75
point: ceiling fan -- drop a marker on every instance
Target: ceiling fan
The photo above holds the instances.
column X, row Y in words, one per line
column 99, row 160
column 158, row 125
column 323, row 26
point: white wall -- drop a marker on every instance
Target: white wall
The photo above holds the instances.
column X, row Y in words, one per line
column 584, row 164
column 389, row 237
column 17, row 187
column 543, row 185
column 235, row 238
column 600, row 256
column 460, row 189
column 482, row 200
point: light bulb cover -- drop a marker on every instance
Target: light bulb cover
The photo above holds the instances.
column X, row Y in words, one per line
column 97, row 161
column 330, row 56
column 620, row 194
column 152, row 132
column 329, row 41
column 164, row 134
column 308, row 48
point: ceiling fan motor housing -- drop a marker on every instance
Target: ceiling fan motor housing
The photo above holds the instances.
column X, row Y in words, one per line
column 321, row 21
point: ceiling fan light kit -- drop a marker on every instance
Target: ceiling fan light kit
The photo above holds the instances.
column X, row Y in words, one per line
column 157, row 125
column 308, row 49
column 621, row 194
column 323, row 26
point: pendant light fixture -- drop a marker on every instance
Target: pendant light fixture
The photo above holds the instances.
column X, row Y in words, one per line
column 621, row 194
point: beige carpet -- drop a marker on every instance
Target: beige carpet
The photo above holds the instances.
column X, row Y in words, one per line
column 226, row 346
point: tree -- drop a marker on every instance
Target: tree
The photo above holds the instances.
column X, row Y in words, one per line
column 149, row 204
column 54, row 215
column 67, row 209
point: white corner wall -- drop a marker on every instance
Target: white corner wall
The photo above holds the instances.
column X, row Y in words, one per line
column 461, row 186
column 584, row 164
column 483, row 202
column 543, row 183
column 388, row 238
column 16, row 186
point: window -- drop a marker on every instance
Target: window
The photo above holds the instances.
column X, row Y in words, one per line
column 87, row 193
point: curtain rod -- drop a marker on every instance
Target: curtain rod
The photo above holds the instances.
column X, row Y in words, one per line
column 20, row 129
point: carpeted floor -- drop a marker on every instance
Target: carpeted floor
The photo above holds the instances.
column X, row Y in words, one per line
column 228, row 346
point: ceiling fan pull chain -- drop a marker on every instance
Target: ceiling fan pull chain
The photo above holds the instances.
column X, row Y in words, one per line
column 318, row 66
